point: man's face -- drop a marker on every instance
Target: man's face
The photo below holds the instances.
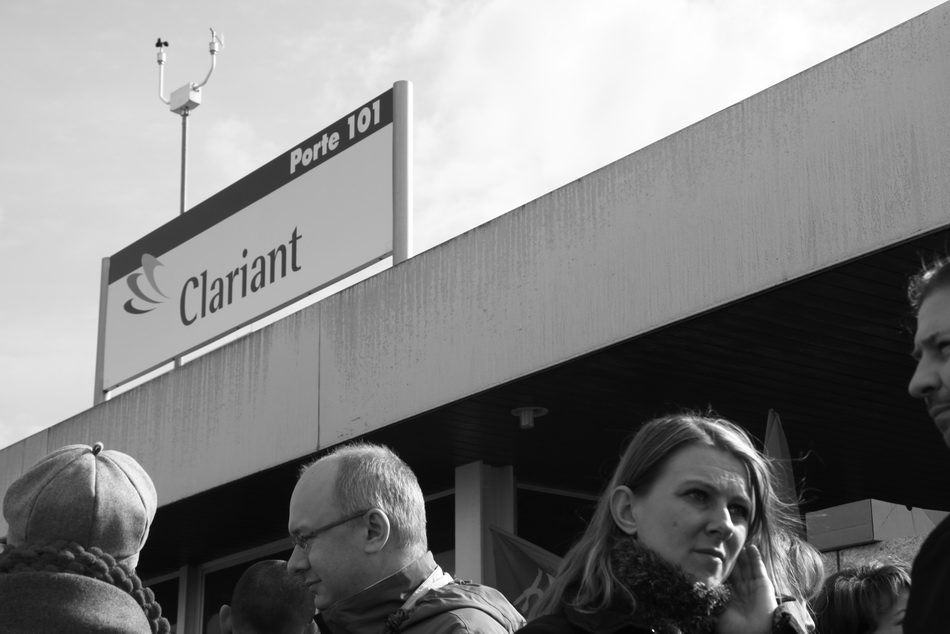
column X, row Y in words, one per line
column 931, row 380
column 333, row 565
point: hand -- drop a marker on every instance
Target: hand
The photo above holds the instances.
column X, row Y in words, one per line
column 753, row 597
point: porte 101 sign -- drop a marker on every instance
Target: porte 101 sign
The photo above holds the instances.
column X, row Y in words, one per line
column 319, row 212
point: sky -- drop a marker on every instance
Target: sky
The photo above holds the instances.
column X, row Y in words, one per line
column 512, row 99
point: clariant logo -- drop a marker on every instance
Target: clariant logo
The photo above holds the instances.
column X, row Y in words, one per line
column 147, row 295
column 202, row 295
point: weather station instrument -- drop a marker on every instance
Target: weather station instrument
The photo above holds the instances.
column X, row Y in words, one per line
column 185, row 99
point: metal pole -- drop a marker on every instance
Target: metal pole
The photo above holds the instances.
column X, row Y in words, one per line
column 184, row 179
column 184, row 157
column 402, row 172
column 100, row 394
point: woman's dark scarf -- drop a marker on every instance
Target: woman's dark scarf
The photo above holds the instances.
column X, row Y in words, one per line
column 661, row 595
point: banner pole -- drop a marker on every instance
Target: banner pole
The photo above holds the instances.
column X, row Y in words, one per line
column 184, row 159
column 402, row 171
column 100, row 394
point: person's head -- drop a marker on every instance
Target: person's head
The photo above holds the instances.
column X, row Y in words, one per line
column 357, row 515
column 929, row 296
column 268, row 599
column 691, row 488
column 870, row 599
column 96, row 498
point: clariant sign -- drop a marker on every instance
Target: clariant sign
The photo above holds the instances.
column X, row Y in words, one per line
column 310, row 217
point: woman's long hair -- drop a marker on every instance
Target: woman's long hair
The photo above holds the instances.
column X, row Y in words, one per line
column 585, row 580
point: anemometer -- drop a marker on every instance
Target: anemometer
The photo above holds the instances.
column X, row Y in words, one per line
column 185, row 99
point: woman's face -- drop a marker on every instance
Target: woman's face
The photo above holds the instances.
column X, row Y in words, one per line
column 893, row 621
column 697, row 513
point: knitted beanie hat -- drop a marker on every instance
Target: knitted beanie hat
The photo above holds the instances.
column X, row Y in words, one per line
column 82, row 494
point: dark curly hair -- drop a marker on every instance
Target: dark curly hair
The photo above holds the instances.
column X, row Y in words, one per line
column 70, row 557
column 931, row 277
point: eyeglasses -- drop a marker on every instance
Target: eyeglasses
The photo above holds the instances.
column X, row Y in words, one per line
column 303, row 541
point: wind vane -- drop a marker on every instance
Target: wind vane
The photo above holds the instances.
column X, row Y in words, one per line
column 185, row 99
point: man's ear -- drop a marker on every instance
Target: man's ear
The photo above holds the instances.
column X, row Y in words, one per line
column 377, row 531
column 224, row 619
column 623, row 509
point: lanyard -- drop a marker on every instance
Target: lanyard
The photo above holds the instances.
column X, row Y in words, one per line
column 435, row 580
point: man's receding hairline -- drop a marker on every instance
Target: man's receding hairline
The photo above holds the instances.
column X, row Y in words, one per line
column 306, row 470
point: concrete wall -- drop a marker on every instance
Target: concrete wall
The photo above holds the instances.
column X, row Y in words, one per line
column 846, row 158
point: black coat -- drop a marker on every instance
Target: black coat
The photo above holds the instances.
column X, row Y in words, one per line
column 928, row 609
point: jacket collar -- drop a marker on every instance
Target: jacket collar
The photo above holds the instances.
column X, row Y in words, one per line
column 366, row 612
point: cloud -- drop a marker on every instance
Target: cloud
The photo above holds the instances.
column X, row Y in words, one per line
column 513, row 100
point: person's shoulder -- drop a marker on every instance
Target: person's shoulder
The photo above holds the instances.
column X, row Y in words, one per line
column 927, row 608
column 936, row 548
column 67, row 602
column 464, row 607
column 464, row 620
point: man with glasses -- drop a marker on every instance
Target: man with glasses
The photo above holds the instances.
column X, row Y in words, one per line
column 358, row 525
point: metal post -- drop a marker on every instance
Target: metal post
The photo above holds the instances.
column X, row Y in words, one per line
column 402, row 172
column 100, row 394
column 184, row 178
column 184, row 157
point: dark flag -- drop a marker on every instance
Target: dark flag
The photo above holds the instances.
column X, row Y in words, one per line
column 523, row 571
